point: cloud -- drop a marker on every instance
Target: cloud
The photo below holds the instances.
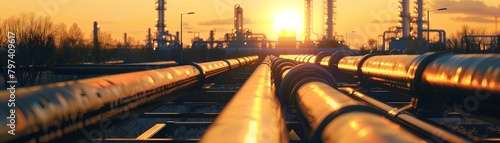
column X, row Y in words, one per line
column 474, row 19
column 469, row 7
column 228, row 21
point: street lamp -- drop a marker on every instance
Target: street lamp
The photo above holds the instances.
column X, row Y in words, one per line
column 429, row 26
column 181, row 28
column 182, row 46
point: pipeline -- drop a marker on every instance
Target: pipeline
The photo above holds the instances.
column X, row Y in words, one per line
column 106, row 69
column 329, row 115
column 66, row 111
column 436, row 81
column 252, row 115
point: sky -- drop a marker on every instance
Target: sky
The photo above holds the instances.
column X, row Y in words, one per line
column 358, row 20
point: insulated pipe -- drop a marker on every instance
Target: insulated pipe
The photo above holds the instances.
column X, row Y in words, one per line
column 252, row 115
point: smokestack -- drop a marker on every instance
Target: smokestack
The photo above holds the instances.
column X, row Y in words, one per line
column 95, row 51
column 125, row 38
column 212, row 38
column 96, row 33
column 150, row 40
column 160, row 23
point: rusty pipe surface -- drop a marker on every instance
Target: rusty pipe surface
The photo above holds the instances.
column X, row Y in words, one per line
column 252, row 115
column 64, row 111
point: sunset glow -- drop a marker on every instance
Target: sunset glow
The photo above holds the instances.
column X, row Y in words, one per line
column 368, row 18
column 288, row 20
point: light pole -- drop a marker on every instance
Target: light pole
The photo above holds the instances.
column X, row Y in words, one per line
column 429, row 27
column 182, row 46
column 181, row 27
column 496, row 24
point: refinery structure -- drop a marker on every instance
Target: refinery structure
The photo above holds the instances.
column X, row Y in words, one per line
column 412, row 27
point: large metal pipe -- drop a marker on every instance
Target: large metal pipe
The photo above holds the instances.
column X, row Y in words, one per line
column 46, row 113
column 252, row 115
column 325, row 110
column 307, row 92
column 66, row 111
column 106, row 69
column 419, row 125
column 470, row 80
column 437, row 81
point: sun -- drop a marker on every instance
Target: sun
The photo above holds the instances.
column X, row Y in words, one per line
column 287, row 20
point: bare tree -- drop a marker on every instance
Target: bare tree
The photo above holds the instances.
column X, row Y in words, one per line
column 458, row 43
column 69, row 44
column 372, row 43
column 35, row 45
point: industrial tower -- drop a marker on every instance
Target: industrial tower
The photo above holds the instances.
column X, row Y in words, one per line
column 405, row 18
column 411, row 22
column 308, row 20
column 160, row 24
column 329, row 17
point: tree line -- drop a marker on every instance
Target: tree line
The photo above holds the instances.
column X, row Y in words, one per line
column 41, row 44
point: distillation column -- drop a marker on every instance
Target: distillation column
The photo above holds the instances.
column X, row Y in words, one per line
column 405, row 18
column 160, row 24
column 420, row 21
column 308, row 5
column 238, row 23
column 329, row 17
